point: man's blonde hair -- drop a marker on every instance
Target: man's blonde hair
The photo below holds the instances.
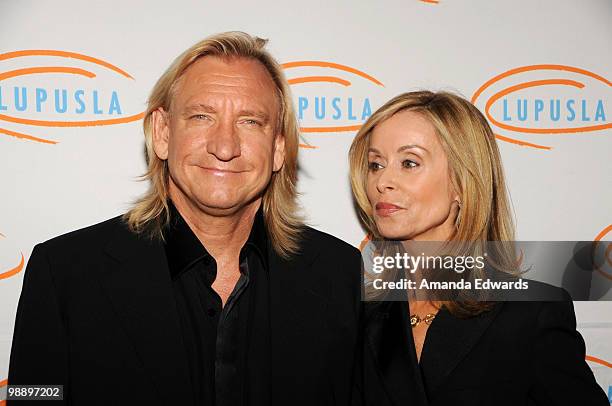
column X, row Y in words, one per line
column 150, row 213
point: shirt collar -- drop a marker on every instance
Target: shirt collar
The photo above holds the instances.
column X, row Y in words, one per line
column 184, row 248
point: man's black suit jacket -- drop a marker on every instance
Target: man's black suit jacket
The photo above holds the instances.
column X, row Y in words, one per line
column 517, row 354
column 97, row 315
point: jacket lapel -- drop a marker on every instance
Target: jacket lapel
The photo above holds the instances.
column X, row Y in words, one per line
column 449, row 340
column 137, row 281
column 298, row 305
column 390, row 343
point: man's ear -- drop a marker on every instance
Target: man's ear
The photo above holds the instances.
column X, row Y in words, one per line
column 160, row 132
column 279, row 152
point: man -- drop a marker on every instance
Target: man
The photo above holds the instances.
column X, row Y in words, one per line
column 210, row 291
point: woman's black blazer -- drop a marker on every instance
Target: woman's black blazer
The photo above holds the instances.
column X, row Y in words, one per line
column 518, row 353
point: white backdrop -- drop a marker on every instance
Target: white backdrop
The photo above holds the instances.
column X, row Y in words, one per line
column 59, row 171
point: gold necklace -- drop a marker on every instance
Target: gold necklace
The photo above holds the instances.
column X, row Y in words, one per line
column 415, row 319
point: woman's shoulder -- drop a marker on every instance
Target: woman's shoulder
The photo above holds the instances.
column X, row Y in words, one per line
column 544, row 304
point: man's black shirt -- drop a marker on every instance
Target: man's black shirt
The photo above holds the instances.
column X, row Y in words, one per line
column 228, row 347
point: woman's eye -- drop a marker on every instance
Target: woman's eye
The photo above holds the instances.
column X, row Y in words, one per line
column 409, row 164
column 374, row 166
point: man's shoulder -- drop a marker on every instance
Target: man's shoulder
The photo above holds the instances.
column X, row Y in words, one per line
column 324, row 242
column 92, row 235
column 331, row 262
column 320, row 247
column 76, row 254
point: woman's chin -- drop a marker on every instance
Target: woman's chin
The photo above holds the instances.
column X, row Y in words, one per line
column 393, row 229
column 394, row 234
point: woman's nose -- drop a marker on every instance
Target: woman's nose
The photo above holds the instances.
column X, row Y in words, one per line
column 386, row 180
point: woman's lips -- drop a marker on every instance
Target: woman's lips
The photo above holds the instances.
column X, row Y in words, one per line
column 386, row 209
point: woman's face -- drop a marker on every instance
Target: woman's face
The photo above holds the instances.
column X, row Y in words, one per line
column 408, row 183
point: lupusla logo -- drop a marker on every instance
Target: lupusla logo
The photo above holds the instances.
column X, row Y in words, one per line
column 15, row 266
column 529, row 105
column 43, row 91
column 331, row 97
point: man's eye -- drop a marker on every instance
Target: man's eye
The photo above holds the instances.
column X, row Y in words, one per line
column 252, row 122
column 374, row 166
column 200, row 117
column 409, row 164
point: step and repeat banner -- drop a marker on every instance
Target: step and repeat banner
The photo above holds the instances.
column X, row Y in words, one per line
column 75, row 76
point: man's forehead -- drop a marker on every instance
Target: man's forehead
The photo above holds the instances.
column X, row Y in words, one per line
column 240, row 79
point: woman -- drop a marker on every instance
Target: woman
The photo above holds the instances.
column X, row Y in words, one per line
column 426, row 167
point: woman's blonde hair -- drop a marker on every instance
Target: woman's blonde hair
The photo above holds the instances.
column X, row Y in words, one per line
column 476, row 173
column 150, row 213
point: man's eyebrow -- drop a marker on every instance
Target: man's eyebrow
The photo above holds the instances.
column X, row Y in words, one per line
column 197, row 108
column 254, row 113
column 205, row 108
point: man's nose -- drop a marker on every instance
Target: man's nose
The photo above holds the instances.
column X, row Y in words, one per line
column 224, row 142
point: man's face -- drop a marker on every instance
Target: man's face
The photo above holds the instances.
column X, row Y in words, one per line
column 220, row 136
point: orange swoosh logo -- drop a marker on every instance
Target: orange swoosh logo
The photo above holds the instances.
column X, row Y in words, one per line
column 336, row 129
column 45, row 69
column 535, row 83
column 323, row 64
column 13, row 271
column 2, row 384
column 364, row 242
column 63, row 70
column 327, row 79
column 563, row 82
column 314, row 79
column 598, row 361
column 64, row 54
column 608, row 252
column 89, row 123
column 26, row 136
